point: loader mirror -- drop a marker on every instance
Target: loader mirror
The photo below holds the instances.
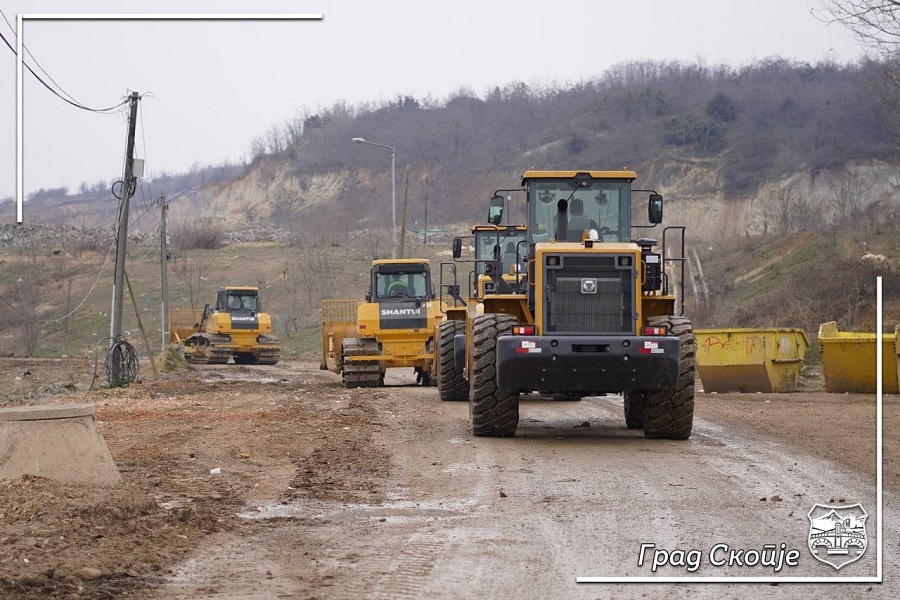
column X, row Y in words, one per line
column 457, row 248
column 495, row 209
column 655, row 209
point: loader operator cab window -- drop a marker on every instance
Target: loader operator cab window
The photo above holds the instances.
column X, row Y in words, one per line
column 403, row 284
column 503, row 245
column 603, row 206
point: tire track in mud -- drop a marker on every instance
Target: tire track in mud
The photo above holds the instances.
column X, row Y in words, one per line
column 405, row 574
column 574, row 494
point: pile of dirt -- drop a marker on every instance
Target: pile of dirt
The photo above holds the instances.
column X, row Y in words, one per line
column 195, row 447
column 171, row 360
column 94, row 541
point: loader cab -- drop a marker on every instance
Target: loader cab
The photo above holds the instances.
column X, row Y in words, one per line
column 567, row 207
column 505, row 243
column 400, row 281
column 500, row 252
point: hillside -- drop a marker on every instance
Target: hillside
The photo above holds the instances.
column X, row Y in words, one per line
column 798, row 280
column 727, row 132
column 783, row 174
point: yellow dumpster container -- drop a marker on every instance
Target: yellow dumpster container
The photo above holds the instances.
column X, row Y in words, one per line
column 848, row 360
column 750, row 360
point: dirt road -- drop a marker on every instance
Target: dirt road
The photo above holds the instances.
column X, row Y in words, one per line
column 326, row 492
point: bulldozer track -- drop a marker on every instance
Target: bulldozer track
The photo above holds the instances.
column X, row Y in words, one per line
column 360, row 373
column 269, row 356
column 203, row 349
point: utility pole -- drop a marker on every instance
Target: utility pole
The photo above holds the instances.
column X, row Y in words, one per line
column 405, row 202
column 163, row 266
column 425, row 239
column 115, row 328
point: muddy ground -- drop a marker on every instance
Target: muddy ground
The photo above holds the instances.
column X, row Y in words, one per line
column 327, row 492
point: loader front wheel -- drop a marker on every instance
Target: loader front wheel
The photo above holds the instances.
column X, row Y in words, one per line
column 494, row 411
column 451, row 383
column 669, row 414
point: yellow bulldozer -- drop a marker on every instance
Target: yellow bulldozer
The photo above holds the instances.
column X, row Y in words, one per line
column 236, row 328
column 394, row 327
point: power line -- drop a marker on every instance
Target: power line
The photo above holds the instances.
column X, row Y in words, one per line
column 74, row 310
column 56, row 93
column 35, row 60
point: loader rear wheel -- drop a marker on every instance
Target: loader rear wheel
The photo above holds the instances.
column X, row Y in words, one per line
column 634, row 410
column 493, row 410
column 669, row 414
column 360, row 373
column 451, row 383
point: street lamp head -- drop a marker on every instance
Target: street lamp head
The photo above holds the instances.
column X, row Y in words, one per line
column 359, row 140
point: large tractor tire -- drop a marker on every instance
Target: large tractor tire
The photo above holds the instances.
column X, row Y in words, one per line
column 494, row 411
column 452, row 385
column 634, row 410
column 360, row 373
column 669, row 414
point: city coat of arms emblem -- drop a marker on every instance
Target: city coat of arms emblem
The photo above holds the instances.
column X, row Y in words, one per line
column 837, row 534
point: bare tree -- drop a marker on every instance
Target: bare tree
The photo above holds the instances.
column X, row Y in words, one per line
column 27, row 295
column 876, row 23
column 274, row 139
column 189, row 273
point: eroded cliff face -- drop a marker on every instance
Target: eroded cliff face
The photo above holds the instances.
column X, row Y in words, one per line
column 272, row 192
column 267, row 190
column 860, row 194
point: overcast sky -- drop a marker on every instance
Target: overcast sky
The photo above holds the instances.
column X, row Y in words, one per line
column 211, row 87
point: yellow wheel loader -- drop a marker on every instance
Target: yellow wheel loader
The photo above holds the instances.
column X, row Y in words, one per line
column 235, row 329
column 394, row 327
column 597, row 313
column 498, row 249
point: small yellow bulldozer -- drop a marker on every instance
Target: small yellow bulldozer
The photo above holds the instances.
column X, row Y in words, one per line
column 235, row 329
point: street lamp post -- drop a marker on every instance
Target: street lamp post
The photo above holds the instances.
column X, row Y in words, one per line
column 360, row 140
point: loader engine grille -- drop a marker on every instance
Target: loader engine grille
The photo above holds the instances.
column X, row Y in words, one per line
column 587, row 293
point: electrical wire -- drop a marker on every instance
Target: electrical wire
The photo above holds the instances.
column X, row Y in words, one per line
column 121, row 363
column 35, row 60
column 109, row 110
column 80, row 304
column 123, row 356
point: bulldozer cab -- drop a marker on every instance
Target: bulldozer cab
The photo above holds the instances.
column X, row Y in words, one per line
column 235, row 299
column 395, row 280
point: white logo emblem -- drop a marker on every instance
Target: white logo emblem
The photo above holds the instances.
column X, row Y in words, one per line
column 588, row 286
column 837, row 534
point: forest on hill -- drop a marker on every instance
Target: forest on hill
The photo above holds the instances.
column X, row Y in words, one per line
column 748, row 125
column 763, row 120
